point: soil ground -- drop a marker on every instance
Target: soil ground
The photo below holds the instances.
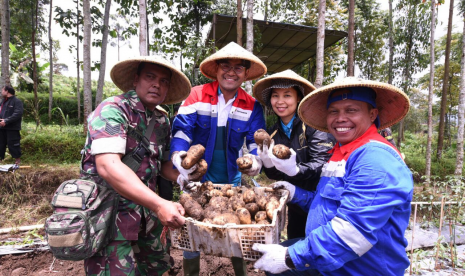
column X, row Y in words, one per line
column 42, row 263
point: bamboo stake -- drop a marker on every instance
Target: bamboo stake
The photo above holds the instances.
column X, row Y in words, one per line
column 451, row 244
column 413, row 237
column 439, row 234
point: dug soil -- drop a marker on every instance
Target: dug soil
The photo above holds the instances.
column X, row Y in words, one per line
column 42, row 263
column 25, row 197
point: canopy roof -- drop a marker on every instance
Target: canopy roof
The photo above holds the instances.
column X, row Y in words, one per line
column 284, row 45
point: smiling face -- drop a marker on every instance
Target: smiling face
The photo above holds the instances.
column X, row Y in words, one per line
column 231, row 81
column 349, row 119
column 152, row 84
column 284, row 102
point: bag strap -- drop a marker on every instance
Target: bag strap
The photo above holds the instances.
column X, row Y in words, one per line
column 135, row 157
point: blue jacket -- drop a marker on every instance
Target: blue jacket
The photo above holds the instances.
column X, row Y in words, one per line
column 358, row 215
column 197, row 121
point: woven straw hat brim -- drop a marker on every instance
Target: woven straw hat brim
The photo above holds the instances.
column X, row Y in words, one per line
column 261, row 85
column 208, row 67
column 123, row 74
column 391, row 102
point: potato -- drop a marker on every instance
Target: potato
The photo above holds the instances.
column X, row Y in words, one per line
column 244, row 163
column 252, row 208
column 264, row 221
column 226, row 218
column 210, row 212
column 219, row 202
column 184, row 197
column 193, row 209
column 206, row 186
column 215, row 193
column 270, row 207
column 225, row 188
column 230, row 193
column 194, row 154
column 260, row 136
column 261, row 202
column 260, row 215
column 236, row 203
column 244, row 216
column 249, row 196
column 201, row 170
column 281, row 151
column 203, row 198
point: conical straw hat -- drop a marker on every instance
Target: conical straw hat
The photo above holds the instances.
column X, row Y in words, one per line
column 208, row 67
column 284, row 79
column 391, row 102
column 123, row 74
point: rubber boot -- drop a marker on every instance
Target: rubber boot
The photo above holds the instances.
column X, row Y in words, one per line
column 239, row 265
column 191, row 267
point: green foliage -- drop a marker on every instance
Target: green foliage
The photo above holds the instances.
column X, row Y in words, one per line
column 51, row 144
column 414, row 148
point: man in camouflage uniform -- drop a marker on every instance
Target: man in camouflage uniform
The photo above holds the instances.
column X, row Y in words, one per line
column 138, row 247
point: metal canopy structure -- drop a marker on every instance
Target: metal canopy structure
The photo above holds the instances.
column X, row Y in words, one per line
column 284, row 45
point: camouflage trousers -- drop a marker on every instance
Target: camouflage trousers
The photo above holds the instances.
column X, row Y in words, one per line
column 146, row 256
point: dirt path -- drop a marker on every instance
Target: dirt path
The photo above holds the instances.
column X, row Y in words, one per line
column 41, row 263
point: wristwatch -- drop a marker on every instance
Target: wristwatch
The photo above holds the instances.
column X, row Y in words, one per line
column 289, row 261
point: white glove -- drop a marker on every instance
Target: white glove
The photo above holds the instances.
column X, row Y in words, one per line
column 287, row 166
column 177, row 159
column 186, row 185
column 264, row 155
column 285, row 185
column 273, row 259
column 256, row 165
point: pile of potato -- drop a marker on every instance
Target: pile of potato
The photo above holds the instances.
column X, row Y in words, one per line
column 237, row 205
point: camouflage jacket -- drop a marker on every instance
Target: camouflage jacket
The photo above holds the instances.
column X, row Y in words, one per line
column 109, row 131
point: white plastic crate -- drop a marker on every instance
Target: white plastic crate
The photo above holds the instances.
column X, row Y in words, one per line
column 231, row 240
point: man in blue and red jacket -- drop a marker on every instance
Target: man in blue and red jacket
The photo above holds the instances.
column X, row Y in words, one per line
column 358, row 215
column 220, row 115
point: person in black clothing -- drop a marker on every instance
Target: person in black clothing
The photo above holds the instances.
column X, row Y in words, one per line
column 387, row 133
column 165, row 187
column 11, row 112
column 309, row 147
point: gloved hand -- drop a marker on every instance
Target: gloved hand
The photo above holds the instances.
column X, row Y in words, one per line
column 186, row 185
column 264, row 154
column 177, row 159
column 285, row 185
column 256, row 165
column 287, row 166
column 273, row 259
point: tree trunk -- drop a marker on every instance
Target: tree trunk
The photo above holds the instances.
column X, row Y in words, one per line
column 266, row 11
column 239, row 22
column 350, row 40
column 78, row 83
column 103, row 55
column 430, row 96
column 34, row 61
column 5, row 79
column 445, row 83
column 142, row 28
column 86, row 59
column 320, row 44
column 461, row 111
column 50, row 77
column 391, row 43
column 248, row 84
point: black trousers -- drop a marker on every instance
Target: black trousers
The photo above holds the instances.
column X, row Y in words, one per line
column 10, row 138
column 165, row 188
column 296, row 222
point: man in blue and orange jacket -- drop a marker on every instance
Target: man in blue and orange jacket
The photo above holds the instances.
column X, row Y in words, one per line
column 220, row 115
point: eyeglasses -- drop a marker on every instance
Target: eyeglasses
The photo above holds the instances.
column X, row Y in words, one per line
column 226, row 67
